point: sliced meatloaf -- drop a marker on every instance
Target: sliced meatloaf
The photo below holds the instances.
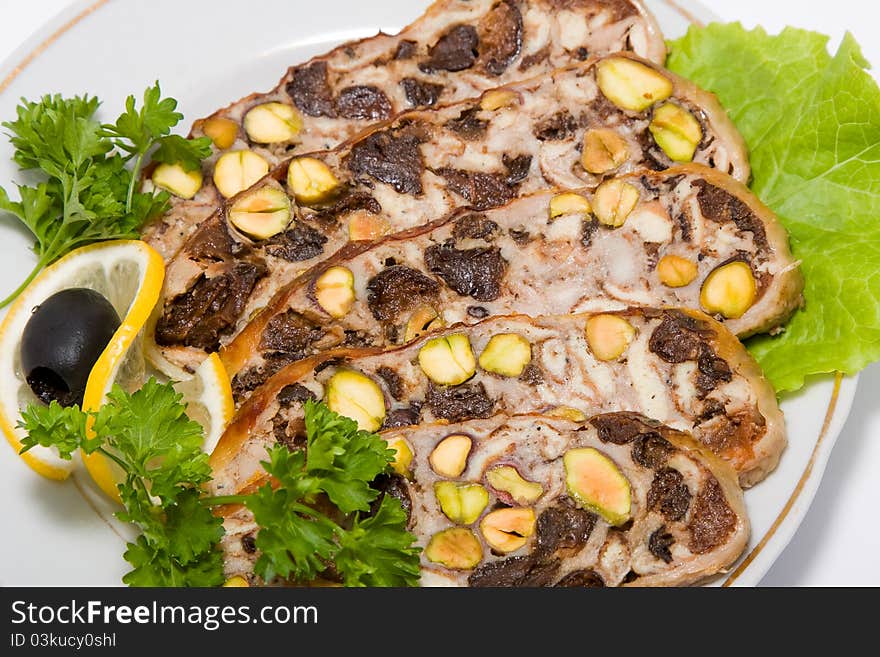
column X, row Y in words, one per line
column 558, row 130
column 679, row 367
column 545, row 253
column 616, row 500
column 456, row 50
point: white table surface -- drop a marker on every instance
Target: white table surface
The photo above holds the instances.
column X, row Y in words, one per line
column 841, row 528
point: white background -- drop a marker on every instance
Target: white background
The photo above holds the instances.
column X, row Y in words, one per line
column 840, row 536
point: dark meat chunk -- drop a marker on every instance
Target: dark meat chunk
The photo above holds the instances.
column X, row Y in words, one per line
column 477, row 312
column 467, row 125
column 402, row 417
column 363, row 103
column 712, row 371
column 500, row 37
column 588, row 229
column 669, row 494
column 711, row 408
column 561, row 125
column 532, row 375
column 582, row 579
column 310, row 90
column 517, row 168
column 392, row 381
column 249, row 543
column 481, row 190
column 477, row 272
column 651, row 450
column 211, row 307
column 211, row 241
column 246, row 381
column 721, row 206
column 356, row 339
column 394, row 486
column 515, row 571
column 659, row 543
column 712, row 520
column 279, row 430
column 397, row 289
column 459, row 403
column 405, row 49
column 521, row 236
column 684, row 226
column 454, row 51
column 253, row 377
column 299, row 242
column 390, row 157
column 295, row 393
column 475, row 227
column 563, row 528
column 289, row 332
column 679, row 337
column 420, row 93
column 618, row 428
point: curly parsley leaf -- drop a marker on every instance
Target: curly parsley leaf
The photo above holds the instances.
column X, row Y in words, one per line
column 188, row 153
column 377, row 551
column 159, row 567
column 296, row 541
column 344, row 458
column 314, row 515
column 302, row 533
column 812, row 123
column 56, row 426
column 150, row 431
column 158, row 449
column 91, row 171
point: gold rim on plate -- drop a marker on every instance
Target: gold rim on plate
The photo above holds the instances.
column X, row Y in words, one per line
column 689, row 17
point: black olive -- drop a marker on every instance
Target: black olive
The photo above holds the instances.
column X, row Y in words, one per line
column 61, row 342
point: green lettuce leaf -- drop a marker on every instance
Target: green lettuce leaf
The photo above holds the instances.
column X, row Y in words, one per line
column 812, row 124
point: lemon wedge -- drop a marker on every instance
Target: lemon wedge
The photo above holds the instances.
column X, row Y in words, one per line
column 129, row 274
column 208, row 397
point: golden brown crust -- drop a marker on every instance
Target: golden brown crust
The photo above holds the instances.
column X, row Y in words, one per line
column 784, row 296
column 754, row 452
column 715, row 115
column 766, row 451
column 733, row 495
column 778, row 300
column 699, row 565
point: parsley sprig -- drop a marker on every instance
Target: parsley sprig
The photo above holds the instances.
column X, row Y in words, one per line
column 320, row 510
column 89, row 172
column 297, row 540
column 159, row 451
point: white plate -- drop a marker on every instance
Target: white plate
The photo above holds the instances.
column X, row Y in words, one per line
column 206, row 54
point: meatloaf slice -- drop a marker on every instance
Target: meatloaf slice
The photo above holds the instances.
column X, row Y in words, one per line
column 527, row 469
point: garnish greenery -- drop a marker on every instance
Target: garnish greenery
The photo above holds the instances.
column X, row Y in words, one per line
column 339, row 463
column 87, row 192
column 812, row 124
column 318, row 511
column 158, row 449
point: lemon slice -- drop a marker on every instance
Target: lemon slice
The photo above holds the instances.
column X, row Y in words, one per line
column 129, row 274
column 208, row 396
